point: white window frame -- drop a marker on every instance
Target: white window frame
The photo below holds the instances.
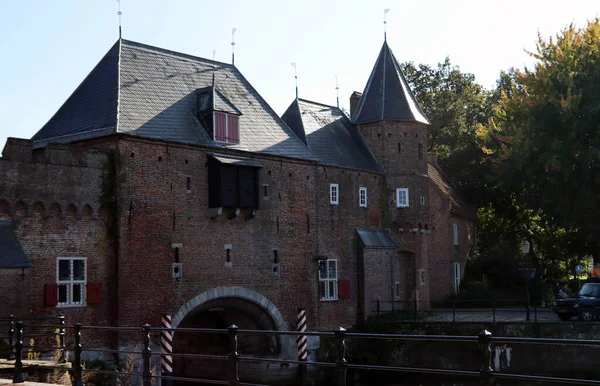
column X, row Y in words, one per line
column 327, row 292
column 456, row 276
column 403, row 204
column 334, row 198
column 226, row 127
column 71, row 282
column 455, row 234
column 362, row 197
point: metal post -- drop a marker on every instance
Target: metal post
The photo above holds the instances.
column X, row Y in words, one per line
column 454, row 309
column 61, row 338
column 486, row 374
column 18, row 378
column 378, row 309
column 340, row 339
column 11, row 334
column 234, row 376
column 77, row 367
column 528, row 306
column 146, row 354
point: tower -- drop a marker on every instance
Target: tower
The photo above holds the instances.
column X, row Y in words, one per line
column 395, row 129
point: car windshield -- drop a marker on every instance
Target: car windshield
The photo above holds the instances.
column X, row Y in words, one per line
column 590, row 290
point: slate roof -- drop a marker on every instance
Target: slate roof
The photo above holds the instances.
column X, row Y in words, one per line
column 11, row 252
column 375, row 238
column 330, row 135
column 387, row 95
column 151, row 92
column 458, row 204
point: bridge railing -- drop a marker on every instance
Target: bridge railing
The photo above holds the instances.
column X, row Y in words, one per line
column 484, row 341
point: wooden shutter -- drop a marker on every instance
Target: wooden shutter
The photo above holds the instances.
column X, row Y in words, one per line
column 94, row 293
column 233, row 129
column 220, row 125
column 50, row 294
column 344, row 289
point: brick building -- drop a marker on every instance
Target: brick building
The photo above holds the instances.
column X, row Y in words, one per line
column 166, row 184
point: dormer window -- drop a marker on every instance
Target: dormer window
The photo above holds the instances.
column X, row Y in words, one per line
column 218, row 116
column 226, row 127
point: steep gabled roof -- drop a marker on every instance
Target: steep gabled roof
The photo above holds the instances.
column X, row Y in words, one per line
column 458, row 204
column 387, row 95
column 151, row 92
column 330, row 135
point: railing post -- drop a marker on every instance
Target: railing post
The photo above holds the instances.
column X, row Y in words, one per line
column 11, row 334
column 234, row 376
column 61, row 338
column 77, row 367
column 146, row 354
column 378, row 308
column 18, row 378
column 486, row 374
column 340, row 339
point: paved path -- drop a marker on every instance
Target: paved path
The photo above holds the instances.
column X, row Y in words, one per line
column 487, row 315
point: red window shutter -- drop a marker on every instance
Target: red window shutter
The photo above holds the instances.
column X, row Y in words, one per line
column 219, row 127
column 50, row 294
column 343, row 289
column 94, row 293
column 233, row 129
column 321, row 290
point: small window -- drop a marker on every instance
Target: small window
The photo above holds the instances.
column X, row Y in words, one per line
column 422, row 200
column 362, row 197
column 457, row 272
column 265, row 192
column 402, row 197
column 455, row 233
column 399, row 148
column 71, row 278
column 422, row 277
column 328, row 280
column 226, row 127
column 420, row 151
column 334, row 191
column 397, row 289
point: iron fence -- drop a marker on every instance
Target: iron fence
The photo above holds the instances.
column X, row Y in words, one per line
column 484, row 341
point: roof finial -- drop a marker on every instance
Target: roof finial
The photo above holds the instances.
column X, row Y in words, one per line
column 232, row 48
column 119, row 13
column 296, row 77
column 385, row 12
column 337, row 92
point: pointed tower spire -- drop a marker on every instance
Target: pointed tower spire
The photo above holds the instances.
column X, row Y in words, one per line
column 387, row 95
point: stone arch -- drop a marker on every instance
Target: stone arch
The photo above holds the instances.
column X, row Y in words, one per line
column 231, row 292
column 72, row 210
column 101, row 212
column 87, row 211
column 55, row 210
column 21, row 209
column 4, row 208
column 38, row 208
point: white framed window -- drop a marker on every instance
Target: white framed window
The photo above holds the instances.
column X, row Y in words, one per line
column 402, row 197
column 456, row 276
column 455, row 234
column 423, row 201
column 334, row 194
column 422, row 277
column 71, row 277
column 328, row 280
column 362, row 197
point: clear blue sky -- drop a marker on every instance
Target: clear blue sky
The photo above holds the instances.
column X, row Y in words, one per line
column 48, row 47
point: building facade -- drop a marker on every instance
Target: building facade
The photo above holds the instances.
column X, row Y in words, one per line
column 166, row 185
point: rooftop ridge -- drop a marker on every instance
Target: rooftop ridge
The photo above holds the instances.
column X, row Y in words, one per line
column 180, row 55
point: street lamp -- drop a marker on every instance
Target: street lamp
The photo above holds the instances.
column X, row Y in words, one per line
column 527, row 274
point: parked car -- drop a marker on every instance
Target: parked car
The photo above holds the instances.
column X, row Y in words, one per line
column 586, row 305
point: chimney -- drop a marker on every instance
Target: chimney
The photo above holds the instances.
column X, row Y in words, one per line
column 354, row 99
column 432, row 158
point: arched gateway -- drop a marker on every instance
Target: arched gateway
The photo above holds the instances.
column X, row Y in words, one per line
column 219, row 308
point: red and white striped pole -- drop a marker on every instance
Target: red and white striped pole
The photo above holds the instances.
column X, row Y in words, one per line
column 166, row 344
column 302, row 341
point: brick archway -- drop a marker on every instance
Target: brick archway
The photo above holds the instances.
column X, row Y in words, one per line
column 231, row 292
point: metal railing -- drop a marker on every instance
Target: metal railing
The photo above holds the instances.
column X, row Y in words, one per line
column 484, row 341
column 413, row 309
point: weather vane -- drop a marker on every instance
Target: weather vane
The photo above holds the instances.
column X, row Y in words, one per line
column 385, row 12
column 232, row 48
column 119, row 13
column 296, row 77
column 337, row 92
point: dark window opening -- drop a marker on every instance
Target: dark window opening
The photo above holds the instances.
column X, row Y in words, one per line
column 399, row 148
column 275, row 256
column 189, row 183
column 228, row 251
column 132, row 155
column 186, row 162
column 233, row 186
column 160, row 158
column 266, row 191
column 420, row 151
